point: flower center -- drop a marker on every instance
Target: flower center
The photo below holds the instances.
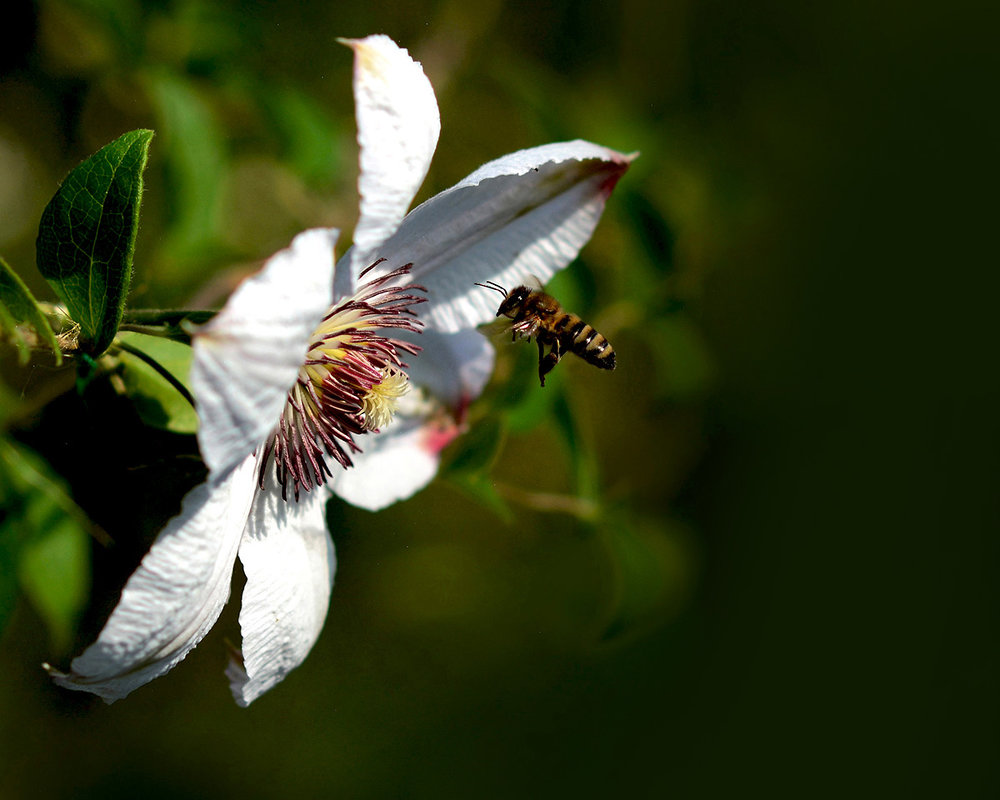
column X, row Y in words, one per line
column 350, row 383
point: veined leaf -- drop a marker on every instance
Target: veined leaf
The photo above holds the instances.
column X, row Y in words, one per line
column 87, row 236
column 18, row 307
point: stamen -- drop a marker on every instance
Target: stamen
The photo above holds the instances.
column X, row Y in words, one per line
column 379, row 404
column 350, row 382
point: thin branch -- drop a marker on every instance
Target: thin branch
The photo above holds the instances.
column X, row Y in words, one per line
column 163, row 371
column 579, row 507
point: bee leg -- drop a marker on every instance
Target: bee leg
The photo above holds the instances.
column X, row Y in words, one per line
column 546, row 364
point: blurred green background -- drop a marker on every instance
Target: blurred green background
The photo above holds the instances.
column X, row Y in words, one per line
column 758, row 559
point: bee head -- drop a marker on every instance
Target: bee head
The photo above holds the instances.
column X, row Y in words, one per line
column 512, row 301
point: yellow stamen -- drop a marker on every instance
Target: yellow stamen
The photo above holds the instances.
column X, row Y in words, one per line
column 379, row 403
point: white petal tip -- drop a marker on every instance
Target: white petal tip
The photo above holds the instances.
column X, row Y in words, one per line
column 238, row 678
column 108, row 691
column 378, row 53
column 398, row 128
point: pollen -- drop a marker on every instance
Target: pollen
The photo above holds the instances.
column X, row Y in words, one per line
column 350, row 383
column 379, row 403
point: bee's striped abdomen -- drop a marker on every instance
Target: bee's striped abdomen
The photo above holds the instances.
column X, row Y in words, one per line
column 586, row 342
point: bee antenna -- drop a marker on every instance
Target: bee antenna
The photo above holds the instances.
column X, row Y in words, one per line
column 496, row 287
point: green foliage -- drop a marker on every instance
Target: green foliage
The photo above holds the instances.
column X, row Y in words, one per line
column 651, row 561
column 43, row 543
column 803, row 237
column 18, row 307
column 155, row 373
column 54, row 573
column 471, row 459
column 686, row 370
column 526, row 404
column 306, row 132
column 9, row 546
column 580, row 452
column 87, row 235
column 196, row 160
column 477, row 450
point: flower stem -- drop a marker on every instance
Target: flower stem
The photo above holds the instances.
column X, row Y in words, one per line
column 580, row 507
column 165, row 373
column 168, row 323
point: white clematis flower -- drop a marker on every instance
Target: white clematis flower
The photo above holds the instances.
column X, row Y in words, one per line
column 312, row 379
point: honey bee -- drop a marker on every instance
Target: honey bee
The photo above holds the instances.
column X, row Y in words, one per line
column 537, row 314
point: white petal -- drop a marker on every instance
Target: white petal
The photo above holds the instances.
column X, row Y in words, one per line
column 398, row 128
column 454, row 367
column 289, row 561
column 395, row 464
column 176, row 594
column 247, row 357
column 526, row 214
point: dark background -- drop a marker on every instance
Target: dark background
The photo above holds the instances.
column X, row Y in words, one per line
column 788, row 588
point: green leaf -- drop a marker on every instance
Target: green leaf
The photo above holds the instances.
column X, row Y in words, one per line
column 9, row 546
column 54, row 572
column 482, row 489
column 87, row 237
column 469, row 460
column 18, row 307
column 45, row 533
column 579, row 450
column 475, row 452
column 652, row 567
column 160, row 390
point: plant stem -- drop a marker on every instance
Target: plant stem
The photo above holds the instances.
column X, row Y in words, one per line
column 165, row 373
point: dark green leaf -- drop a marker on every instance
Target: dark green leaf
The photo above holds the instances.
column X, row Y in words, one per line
column 579, row 450
column 54, row 572
column 475, row 452
column 469, row 461
column 161, row 393
column 87, row 236
column 652, row 567
column 482, row 489
column 18, row 307
column 44, row 532
column 9, row 546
